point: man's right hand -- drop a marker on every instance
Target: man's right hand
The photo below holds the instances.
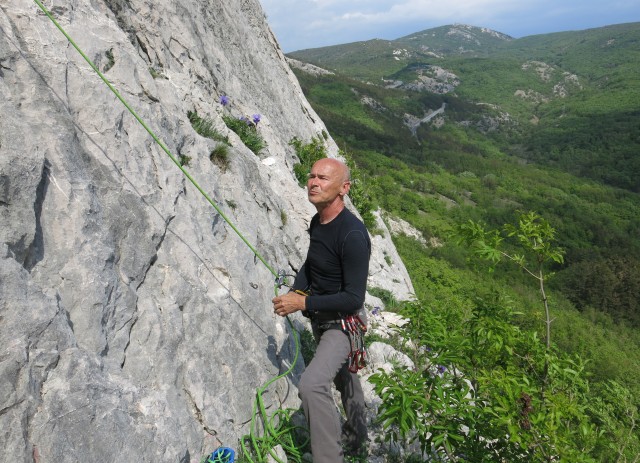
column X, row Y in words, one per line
column 288, row 303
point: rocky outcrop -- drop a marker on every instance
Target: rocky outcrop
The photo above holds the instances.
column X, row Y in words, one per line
column 135, row 324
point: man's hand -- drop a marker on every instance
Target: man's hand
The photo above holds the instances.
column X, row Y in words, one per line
column 288, row 304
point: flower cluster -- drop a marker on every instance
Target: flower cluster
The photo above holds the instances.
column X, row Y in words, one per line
column 254, row 120
column 246, row 127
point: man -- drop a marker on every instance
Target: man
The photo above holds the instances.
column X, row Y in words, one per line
column 335, row 275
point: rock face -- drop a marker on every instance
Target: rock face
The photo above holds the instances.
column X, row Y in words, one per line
column 135, row 324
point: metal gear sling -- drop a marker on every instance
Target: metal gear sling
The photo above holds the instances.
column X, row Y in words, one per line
column 355, row 328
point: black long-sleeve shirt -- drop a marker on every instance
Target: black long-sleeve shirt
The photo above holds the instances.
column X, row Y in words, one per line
column 336, row 267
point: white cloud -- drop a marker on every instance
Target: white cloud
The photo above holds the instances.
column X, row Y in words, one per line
column 314, row 23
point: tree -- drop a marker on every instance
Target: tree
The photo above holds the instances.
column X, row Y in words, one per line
column 534, row 238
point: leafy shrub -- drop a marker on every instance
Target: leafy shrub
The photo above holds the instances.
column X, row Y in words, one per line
column 360, row 195
column 307, row 345
column 308, row 154
column 481, row 395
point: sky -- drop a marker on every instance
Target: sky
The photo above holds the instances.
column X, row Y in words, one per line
column 301, row 24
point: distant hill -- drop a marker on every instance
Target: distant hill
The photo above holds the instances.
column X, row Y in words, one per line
column 569, row 99
column 372, row 59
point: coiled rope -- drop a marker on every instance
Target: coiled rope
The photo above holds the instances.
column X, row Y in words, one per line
column 277, row 428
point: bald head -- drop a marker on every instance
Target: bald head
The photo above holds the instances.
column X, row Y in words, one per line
column 328, row 184
column 337, row 166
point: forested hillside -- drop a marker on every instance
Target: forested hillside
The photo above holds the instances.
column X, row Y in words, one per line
column 474, row 127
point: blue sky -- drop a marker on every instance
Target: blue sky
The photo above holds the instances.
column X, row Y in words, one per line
column 300, row 24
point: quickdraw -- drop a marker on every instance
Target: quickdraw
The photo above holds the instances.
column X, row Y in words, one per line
column 355, row 329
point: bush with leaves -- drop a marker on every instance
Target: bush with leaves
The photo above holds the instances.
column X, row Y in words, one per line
column 479, row 395
column 308, row 154
column 360, row 194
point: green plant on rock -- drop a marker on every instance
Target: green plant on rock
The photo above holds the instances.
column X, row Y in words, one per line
column 156, row 74
column 360, row 194
column 246, row 129
column 220, row 156
column 111, row 61
column 184, row 160
column 205, row 128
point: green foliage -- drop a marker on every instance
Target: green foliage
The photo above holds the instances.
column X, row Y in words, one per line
column 534, row 248
column 308, row 154
column 388, row 299
column 156, row 73
column 360, row 195
column 307, row 345
column 184, row 160
column 247, row 131
column 111, row 61
column 481, row 397
column 220, row 156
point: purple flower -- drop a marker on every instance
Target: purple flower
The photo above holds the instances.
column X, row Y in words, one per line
column 256, row 118
column 375, row 311
column 441, row 369
column 224, row 100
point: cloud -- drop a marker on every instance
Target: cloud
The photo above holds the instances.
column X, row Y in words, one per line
column 314, row 23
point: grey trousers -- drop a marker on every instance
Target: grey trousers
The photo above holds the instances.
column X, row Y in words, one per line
column 330, row 365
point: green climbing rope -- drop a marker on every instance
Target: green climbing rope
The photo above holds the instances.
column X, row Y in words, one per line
column 155, row 137
column 277, row 428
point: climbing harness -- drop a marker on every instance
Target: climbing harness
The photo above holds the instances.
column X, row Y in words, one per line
column 354, row 327
column 277, row 428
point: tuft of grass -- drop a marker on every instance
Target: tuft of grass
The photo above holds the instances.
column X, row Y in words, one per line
column 156, row 74
column 247, row 132
column 205, row 127
column 184, row 160
column 307, row 345
column 388, row 299
column 111, row 60
column 220, row 156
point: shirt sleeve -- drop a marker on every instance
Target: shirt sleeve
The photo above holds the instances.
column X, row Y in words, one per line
column 355, row 270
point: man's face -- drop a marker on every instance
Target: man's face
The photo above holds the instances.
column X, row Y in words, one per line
column 327, row 180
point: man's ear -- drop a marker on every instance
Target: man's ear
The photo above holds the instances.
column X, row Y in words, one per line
column 346, row 186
